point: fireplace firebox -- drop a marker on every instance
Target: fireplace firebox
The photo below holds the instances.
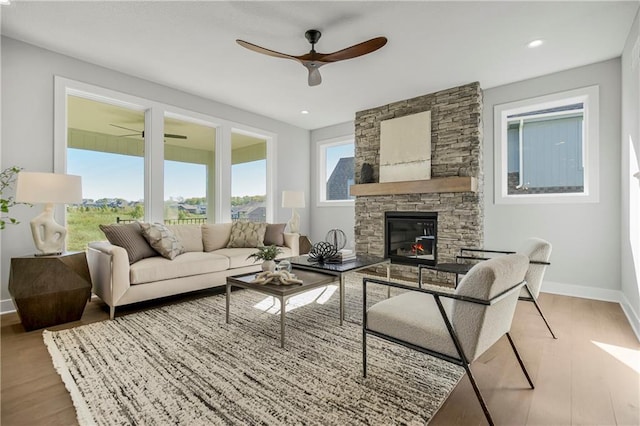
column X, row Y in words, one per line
column 411, row 237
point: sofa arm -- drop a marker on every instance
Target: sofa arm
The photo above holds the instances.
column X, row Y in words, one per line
column 109, row 269
column 292, row 240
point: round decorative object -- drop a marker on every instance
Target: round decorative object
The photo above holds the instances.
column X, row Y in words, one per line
column 322, row 251
column 284, row 265
column 337, row 238
column 269, row 265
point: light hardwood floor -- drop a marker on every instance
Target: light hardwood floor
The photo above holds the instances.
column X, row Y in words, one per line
column 580, row 378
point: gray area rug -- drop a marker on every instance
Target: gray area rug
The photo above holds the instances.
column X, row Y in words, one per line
column 182, row 364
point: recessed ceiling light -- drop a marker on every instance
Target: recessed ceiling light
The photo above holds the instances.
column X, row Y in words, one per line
column 304, row 111
column 5, row 2
column 535, row 43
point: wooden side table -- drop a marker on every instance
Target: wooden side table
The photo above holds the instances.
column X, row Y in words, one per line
column 305, row 244
column 49, row 290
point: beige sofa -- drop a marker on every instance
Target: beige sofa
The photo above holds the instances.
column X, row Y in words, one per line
column 205, row 264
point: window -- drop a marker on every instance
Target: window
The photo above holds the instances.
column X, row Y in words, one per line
column 248, row 178
column 144, row 160
column 336, row 171
column 547, row 149
column 188, row 171
column 110, row 159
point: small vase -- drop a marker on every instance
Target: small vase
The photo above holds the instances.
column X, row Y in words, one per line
column 269, row 265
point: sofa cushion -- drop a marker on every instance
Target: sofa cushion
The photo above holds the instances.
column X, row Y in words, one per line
column 215, row 235
column 189, row 235
column 286, row 252
column 162, row 240
column 247, row 234
column 129, row 237
column 274, row 235
column 185, row 265
column 238, row 256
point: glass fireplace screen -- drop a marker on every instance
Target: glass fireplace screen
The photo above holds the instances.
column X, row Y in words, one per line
column 411, row 237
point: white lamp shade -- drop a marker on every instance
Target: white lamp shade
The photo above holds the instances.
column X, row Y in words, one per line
column 293, row 199
column 48, row 188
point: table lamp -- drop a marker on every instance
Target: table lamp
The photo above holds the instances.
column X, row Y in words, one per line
column 47, row 189
column 293, row 200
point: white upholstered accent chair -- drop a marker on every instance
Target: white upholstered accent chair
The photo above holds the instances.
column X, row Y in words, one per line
column 539, row 252
column 479, row 314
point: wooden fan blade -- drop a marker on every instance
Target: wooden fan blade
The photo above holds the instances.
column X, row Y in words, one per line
column 353, row 51
column 126, row 128
column 264, row 51
column 169, row 135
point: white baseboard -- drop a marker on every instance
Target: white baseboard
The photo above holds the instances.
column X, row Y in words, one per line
column 594, row 293
column 6, row 306
column 632, row 315
column 583, row 292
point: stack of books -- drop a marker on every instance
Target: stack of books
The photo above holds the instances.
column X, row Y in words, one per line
column 343, row 256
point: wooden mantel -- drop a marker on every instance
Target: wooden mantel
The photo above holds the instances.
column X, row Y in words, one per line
column 448, row 184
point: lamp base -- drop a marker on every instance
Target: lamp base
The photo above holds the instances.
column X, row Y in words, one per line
column 294, row 222
column 48, row 235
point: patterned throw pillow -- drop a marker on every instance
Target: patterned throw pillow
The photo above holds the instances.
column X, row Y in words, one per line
column 129, row 237
column 247, row 234
column 274, row 234
column 162, row 240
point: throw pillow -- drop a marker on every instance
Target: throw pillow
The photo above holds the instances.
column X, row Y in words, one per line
column 247, row 234
column 273, row 236
column 129, row 237
column 162, row 240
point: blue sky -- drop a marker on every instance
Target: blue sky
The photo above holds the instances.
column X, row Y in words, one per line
column 106, row 175
column 335, row 153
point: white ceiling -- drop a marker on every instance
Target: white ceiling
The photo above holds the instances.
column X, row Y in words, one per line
column 190, row 45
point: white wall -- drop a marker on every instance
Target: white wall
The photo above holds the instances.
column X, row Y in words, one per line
column 585, row 237
column 27, row 129
column 324, row 218
column 630, row 211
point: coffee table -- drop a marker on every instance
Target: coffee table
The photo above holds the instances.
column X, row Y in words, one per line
column 310, row 280
column 340, row 269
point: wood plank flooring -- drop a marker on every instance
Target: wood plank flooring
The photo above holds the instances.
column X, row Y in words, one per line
column 578, row 379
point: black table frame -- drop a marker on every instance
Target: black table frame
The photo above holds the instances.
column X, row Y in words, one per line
column 341, row 269
column 281, row 292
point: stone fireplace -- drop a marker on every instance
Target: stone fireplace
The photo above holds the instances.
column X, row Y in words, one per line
column 454, row 193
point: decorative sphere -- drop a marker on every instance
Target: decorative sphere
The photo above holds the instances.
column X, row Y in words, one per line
column 337, row 238
column 322, row 251
column 284, row 265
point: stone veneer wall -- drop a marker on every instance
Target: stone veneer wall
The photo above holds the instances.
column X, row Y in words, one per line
column 456, row 150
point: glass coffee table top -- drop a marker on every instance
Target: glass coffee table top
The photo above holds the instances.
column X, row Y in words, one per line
column 361, row 261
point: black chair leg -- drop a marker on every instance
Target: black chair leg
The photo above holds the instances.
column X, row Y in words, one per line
column 535, row 302
column 364, row 354
column 474, row 385
column 524, row 370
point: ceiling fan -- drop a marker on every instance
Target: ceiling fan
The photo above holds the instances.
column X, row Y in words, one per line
column 141, row 133
column 314, row 60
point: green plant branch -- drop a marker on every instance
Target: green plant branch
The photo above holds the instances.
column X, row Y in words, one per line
column 266, row 253
column 7, row 178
